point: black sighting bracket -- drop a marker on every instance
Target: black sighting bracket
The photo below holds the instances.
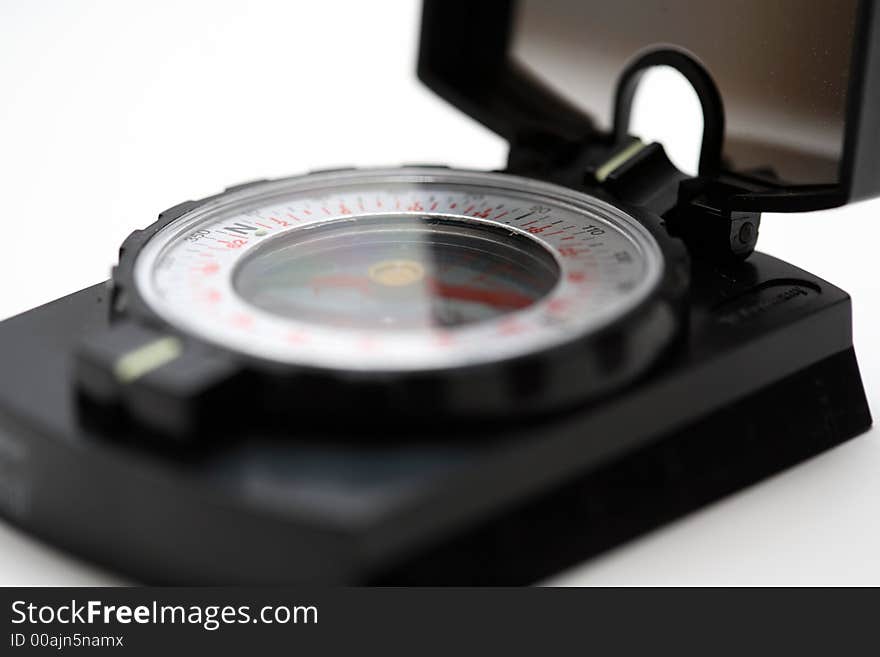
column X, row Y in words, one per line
column 465, row 57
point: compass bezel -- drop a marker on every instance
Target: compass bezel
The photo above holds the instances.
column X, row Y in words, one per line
column 551, row 376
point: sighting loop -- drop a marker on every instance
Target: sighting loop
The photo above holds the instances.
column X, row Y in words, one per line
column 704, row 86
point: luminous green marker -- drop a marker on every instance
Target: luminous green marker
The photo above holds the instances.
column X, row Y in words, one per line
column 618, row 160
column 146, row 358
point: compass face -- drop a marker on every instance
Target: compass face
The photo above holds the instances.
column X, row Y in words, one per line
column 397, row 271
column 407, row 269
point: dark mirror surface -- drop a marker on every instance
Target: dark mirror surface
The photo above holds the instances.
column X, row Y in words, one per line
column 782, row 68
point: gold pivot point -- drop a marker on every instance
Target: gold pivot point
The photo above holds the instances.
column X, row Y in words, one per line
column 397, row 273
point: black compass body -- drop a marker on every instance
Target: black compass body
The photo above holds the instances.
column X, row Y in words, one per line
column 429, row 375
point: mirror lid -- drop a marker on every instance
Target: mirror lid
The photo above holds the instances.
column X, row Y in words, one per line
column 467, row 57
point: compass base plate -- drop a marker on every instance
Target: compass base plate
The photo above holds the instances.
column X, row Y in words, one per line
column 764, row 378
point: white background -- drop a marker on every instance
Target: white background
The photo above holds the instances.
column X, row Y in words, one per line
column 112, row 111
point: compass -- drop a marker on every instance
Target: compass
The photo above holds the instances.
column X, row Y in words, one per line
column 424, row 374
column 398, row 270
column 401, row 280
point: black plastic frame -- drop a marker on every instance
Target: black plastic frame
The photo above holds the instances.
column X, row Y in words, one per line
column 464, row 58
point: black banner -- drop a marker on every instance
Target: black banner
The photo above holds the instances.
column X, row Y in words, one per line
column 236, row 621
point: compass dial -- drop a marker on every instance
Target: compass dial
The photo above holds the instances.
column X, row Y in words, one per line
column 407, row 269
column 397, row 271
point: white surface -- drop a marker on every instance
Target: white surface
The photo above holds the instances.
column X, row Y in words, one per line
column 114, row 111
